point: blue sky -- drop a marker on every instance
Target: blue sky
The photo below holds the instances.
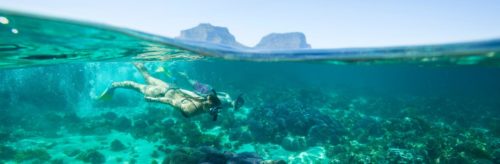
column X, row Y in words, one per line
column 327, row 24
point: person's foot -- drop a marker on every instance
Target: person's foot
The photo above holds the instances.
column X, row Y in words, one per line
column 106, row 95
column 139, row 64
column 140, row 67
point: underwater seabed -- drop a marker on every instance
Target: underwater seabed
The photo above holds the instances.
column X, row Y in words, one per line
column 339, row 114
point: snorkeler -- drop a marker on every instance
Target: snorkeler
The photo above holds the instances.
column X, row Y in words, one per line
column 188, row 102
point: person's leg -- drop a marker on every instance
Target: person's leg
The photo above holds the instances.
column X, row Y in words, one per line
column 108, row 93
column 129, row 85
column 149, row 79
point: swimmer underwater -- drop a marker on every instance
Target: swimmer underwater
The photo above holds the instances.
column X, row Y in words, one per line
column 189, row 103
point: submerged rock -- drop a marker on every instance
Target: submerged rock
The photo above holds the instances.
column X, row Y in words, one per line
column 319, row 134
column 299, row 122
column 273, row 162
column 216, row 156
column 140, row 128
column 94, row 127
column 72, row 152
column 240, row 135
column 395, row 155
column 294, row 143
column 92, row 156
column 40, row 155
column 496, row 156
column 122, row 123
column 6, row 153
column 5, row 135
column 263, row 131
column 183, row 155
column 117, row 145
column 245, row 158
column 211, row 155
column 57, row 161
column 109, row 116
column 369, row 126
column 71, row 120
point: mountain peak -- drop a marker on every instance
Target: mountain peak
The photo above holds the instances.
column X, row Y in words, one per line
column 291, row 40
column 206, row 32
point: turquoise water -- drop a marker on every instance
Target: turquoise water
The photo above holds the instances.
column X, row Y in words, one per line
column 413, row 104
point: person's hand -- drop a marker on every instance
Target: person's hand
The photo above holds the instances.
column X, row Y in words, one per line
column 148, row 99
column 184, row 74
column 139, row 64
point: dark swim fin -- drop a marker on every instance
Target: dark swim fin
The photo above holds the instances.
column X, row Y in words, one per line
column 239, row 102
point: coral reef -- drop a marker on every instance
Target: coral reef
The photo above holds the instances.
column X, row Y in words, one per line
column 303, row 126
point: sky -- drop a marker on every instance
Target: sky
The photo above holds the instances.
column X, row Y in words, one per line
column 326, row 24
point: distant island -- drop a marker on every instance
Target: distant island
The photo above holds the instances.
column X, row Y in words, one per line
column 206, row 32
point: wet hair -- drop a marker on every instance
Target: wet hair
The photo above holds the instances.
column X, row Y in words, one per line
column 212, row 97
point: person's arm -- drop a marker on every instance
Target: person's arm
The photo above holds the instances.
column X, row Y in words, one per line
column 226, row 100
column 197, row 86
column 158, row 99
column 229, row 102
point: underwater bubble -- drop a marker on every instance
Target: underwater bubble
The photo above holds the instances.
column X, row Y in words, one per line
column 14, row 31
column 490, row 54
column 4, row 20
